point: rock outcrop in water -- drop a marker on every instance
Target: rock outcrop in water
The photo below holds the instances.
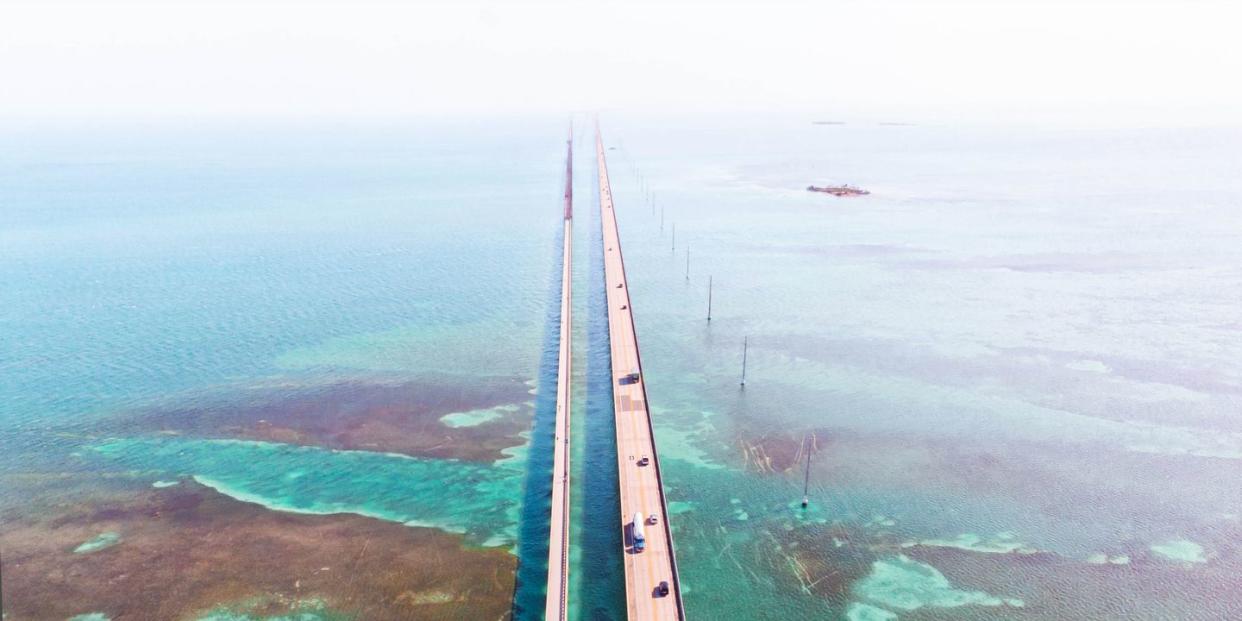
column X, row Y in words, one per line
column 838, row 190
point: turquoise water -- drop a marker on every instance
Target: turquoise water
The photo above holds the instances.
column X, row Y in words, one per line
column 459, row 497
column 1020, row 356
column 98, row 542
column 156, row 265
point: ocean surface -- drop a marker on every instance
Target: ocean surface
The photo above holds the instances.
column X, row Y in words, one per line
column 1016, row 365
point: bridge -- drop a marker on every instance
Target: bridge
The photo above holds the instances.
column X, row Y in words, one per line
column 558, row 539
column 641, row 486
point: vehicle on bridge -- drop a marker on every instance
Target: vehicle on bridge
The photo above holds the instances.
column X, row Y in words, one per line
column 636, row 531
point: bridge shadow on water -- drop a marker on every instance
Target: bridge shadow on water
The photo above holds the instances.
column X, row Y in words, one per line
column 534, row 523
column 600, row 582
column 596, row 572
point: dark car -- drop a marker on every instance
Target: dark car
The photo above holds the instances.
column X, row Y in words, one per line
column 644, row 461
column 662, row 590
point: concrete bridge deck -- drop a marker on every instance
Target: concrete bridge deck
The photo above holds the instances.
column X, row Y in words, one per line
column 558, row 538
column 641, row 486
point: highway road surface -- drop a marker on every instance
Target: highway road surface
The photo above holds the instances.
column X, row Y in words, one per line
column 641, row 485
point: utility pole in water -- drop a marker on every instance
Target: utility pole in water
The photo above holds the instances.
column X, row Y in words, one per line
column 709, row 298
column 744, row 339
column 806, row 483
column 687, row 262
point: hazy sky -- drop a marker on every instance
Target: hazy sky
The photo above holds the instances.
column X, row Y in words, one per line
column 1175, row 61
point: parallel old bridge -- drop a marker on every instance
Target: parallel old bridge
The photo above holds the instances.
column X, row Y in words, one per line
column 652, row 587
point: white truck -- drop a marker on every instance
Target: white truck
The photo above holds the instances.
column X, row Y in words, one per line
column 636, row 531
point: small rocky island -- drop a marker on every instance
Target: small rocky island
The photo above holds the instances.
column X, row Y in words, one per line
column 838, row 190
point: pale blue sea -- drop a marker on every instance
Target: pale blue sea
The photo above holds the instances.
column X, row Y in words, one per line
column 1025, row 343
column 1020, row 357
